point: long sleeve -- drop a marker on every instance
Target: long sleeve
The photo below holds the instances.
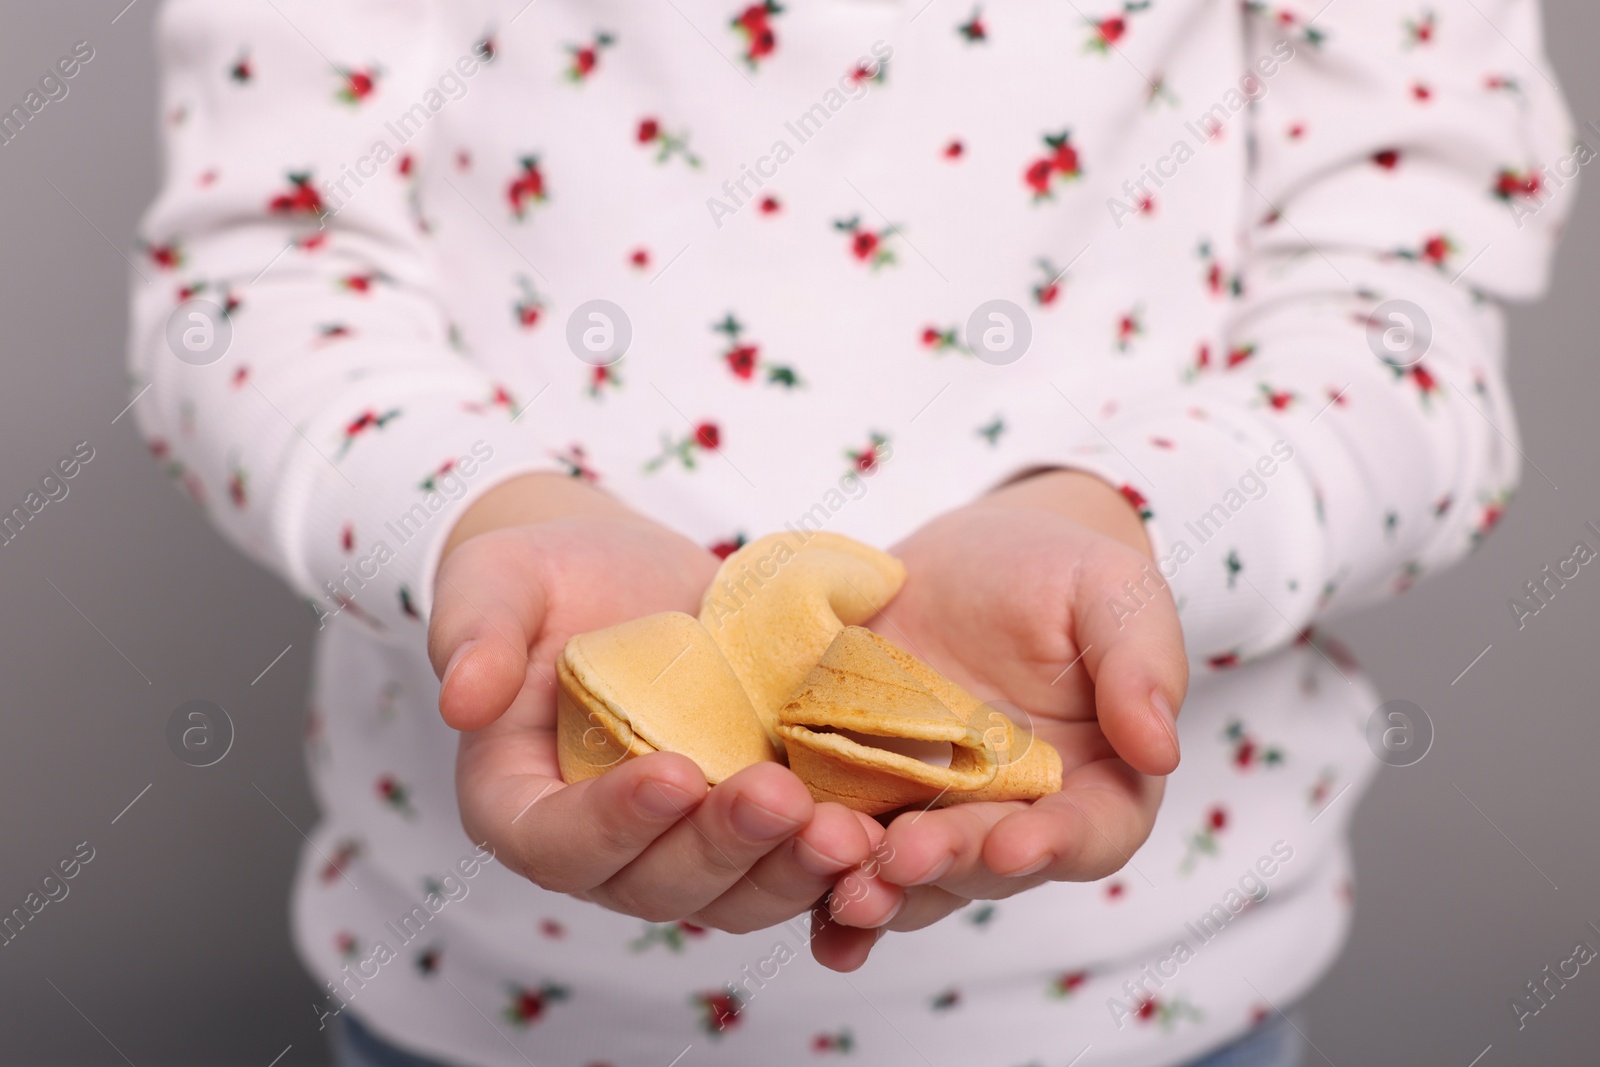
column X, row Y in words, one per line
column 340, row 432
column 1333, row 445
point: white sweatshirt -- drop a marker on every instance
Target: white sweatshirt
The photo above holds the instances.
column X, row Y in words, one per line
column 1199, row 213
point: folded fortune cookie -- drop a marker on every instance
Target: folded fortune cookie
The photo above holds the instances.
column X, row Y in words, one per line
column 654, row 684
column 876, row 729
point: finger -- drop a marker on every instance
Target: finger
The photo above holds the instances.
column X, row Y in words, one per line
column 789, row 879
column 1089, row 830
column 924, row 906
column 693, row 863
column 861, row 898
column 1139, row 668
column 944, row 846
column 837, row 947
column 489, row 606
column 570, row 838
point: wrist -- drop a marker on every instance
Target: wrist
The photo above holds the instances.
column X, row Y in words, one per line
column 531, row 499
column 1082, row 497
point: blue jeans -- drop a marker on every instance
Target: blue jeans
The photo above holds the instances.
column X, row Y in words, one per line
column 1275, row 1043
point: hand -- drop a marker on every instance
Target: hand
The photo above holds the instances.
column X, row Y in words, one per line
column 1011, row 598
column 534, row 562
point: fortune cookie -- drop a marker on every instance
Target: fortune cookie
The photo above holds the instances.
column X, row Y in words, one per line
column 876, row 729
column 776, row 605
column 656, row 684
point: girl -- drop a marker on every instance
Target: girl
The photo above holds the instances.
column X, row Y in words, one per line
column 1148, row 334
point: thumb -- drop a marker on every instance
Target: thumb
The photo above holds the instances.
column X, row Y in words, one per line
column 488, row 611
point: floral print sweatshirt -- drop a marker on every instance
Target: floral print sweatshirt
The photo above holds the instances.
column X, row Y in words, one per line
column 845, row 264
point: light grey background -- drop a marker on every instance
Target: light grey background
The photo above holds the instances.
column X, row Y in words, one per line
column 120, row 603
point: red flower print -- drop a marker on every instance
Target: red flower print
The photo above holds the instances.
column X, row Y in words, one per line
column 347, row 537
column 1510, row 184
column 867, row 246
column 241, row 71
column 1061, row 163
column 528, row 306
column 1130, row 325
column 743, row 358
column 344, row 854
column 1068, row 983
column 1048, row 288
column 363, row 423
column 527, row 187
column 345, row 943
column 1165, row 1014
column 552, row 929
column 358, row 84
column 875, row 71
column 301, row 199
column 842, row 1041
column 1388, row 158
column 673, row 935
column 1203, row 842
column 1247, row 751
column 1277, row 399
column 639, row 259
column 992, row 430
column 427, row 960
column 430, row 484
column 754, row 24
column 1106, row 32
column 499, row 397
column 973, row 31
column 238, row 486
column 1286, row 20
column 1435, row 251
column 604, row 378
column 770, row 205
column 1296, row 131
column 395, row 795
column 1223, row 661
column 866, row 460
column 651, row 132
column 1419, row 31
column 576, row 461
column 954, row 150
column 718, row 1011
column 1116, row 890
column 1219, row 282
column 706, row 437
column 950, row 998
column 724, row 549
column 169, row 257
column 1239, row 354
column 940, row 341
column 362, row 283
column 486, row 48
column 583, row 59
column 1137, row 501
column 527, row 1006
column 1421, row 93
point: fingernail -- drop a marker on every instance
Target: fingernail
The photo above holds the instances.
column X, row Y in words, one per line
column 937, row 873
column 1168, row 719
column 1032, row 868
column 817, row 864
column 661, row 800
column 460, row 654
column 755, row 823
column 889, row 918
